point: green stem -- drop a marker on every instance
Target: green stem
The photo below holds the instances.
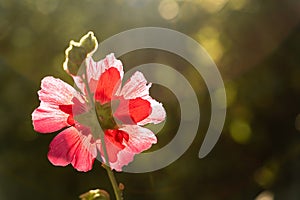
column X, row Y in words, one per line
column 117, row 191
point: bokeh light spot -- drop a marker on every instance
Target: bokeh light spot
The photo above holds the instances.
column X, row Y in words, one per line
column 214, row 48
column 265, row 195
column 240, row 131
column 265, row 176
column 213, row 6
column 208, row 32
column 209, row 37
column 231, row 93
column 237, row 4
column 168, row 9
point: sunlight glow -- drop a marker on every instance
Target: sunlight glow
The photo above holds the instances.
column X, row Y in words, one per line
column 266, row 195
column 237, row 4
column 168, row 9
column 209, row 37
column 213, row 6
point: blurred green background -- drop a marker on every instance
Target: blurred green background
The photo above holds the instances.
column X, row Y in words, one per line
column 255, row 45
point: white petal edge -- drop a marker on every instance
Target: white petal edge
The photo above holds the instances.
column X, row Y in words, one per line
column 158, row 113
column 135, row 87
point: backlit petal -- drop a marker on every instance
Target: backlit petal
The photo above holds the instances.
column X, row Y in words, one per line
column 112, row 150
column 158, row 113
column 133, row 111
column 107, row 85
column 108, row 62
column 140, row 139
column 48, row 117
column 135, row 87
column 114, row 143
column 56, row 92
column 124, row 158
column 72, row 147
column 95, row 69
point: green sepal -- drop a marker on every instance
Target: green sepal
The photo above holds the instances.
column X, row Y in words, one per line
column 77, row 52
column 96, row 194
column 89, row 43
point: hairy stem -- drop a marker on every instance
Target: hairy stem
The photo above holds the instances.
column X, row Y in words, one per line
column 117, row 191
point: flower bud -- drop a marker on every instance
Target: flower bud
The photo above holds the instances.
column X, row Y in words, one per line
column 77, row 52
column 95, row 195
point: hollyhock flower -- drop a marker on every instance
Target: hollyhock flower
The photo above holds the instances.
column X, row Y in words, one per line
column 120, row 111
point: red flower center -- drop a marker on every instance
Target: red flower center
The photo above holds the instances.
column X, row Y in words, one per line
column 117, row 137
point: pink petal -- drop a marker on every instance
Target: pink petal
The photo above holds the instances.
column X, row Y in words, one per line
column 93, row 73
column 158, row 113
column 48, row 117
column 124, row 158
column 95, row 69
column 71, row 146
column 56, row 92
column 111, row 148
column 107, row 85
column 140, row 139
column 132, row 111
column 79, row 83
column 114, row 144
column 135, row 87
